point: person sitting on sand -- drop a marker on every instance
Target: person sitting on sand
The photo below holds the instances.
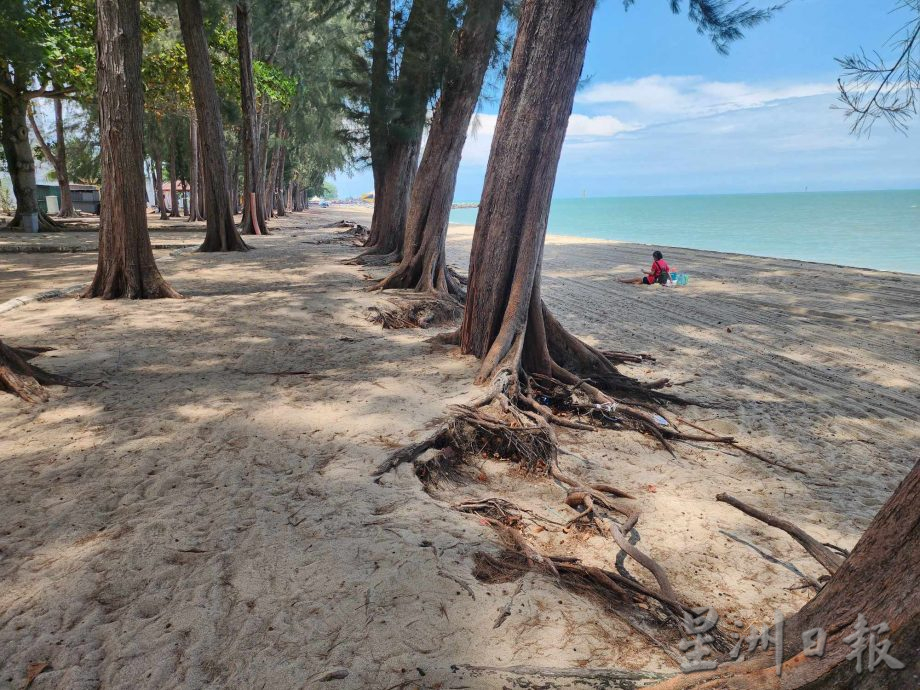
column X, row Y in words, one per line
column 660, row 272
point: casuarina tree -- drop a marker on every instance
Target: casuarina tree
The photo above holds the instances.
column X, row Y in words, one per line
column 126, row 266
column 45, row 52
column 423, row 266
column 253, row 213
column 221, row 232
column 396, row 115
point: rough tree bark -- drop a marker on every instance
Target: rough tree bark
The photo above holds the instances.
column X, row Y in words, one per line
column 14, row 132
column 253, row 223
column 423, row 265
column 421, row 63
column 126, row 267
column 504, row 316
column 221, row 232
column 57, row 158
column 193, row 168
column 877, row 580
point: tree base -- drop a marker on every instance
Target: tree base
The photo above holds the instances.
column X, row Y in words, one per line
column 45, row 223
column 117, row 286
column 22, row 379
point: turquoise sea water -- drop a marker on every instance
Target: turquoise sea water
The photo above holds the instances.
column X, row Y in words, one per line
column 878, row 230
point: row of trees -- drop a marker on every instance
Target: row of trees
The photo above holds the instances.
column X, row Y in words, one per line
column 416, row 52
column 508, row 327
column 277, row 100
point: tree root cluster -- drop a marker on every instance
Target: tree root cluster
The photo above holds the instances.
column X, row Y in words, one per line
column 45, row 223
column 353, row 230
column 515, row 420
column 25, row 380
column 641, row 607
column 417, row 310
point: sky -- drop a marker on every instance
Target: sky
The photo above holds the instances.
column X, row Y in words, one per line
column 661, row 112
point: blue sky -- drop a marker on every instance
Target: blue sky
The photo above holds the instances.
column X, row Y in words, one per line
column 661, row 112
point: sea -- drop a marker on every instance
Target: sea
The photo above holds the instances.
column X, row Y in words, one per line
column 878, row 229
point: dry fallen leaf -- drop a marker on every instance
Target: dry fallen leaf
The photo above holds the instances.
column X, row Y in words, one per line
column 33, row 670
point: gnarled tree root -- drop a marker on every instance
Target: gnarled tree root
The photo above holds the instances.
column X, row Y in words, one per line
column 417, row 310
column 819, row 551
column 19, row 377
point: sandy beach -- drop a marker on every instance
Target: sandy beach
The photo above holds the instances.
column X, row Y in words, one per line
column 204, row 514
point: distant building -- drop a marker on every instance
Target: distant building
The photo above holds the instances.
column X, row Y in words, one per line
column 85, row 196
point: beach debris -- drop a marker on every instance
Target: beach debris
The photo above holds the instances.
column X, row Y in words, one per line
column 25, row 380
column 506, row 610
column 33, row 670
column 333, row 674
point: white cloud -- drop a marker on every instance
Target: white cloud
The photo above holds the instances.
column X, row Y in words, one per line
column 656, row 97
column 597, row 126
column 581, row 127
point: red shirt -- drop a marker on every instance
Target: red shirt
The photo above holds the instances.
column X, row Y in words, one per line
column 658, row 267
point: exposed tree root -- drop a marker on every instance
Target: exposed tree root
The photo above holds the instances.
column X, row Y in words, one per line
column 353, row 230
column 610, row 678
column 373, row 257
column 19, row 377
column 819, row 551
column 417, row 311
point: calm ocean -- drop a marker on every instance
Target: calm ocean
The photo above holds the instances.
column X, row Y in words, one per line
column 878, row 230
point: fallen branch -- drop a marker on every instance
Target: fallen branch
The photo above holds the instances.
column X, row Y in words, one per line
column 506, row 610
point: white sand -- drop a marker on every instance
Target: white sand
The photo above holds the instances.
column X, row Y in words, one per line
column 199, row 520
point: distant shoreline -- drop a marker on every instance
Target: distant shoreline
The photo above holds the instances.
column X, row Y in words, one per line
column 871, row 230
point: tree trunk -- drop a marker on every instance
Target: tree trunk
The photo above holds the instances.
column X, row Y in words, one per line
column 14, row 131
column 423, row 265
column 57, row 159
column 272, row 178
column 200, row 177
column 173, row 168
column 877, row 580
column 421, row 64
column 263, row 191
column 504, row 315
column 235, row 182
column 379, row 92
column 221, row 229
column 193, row 168
column 297, row 197
column 253, row 223
column 126, row 267
column 279, row 183
column 60, row 162
column 158, row 182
